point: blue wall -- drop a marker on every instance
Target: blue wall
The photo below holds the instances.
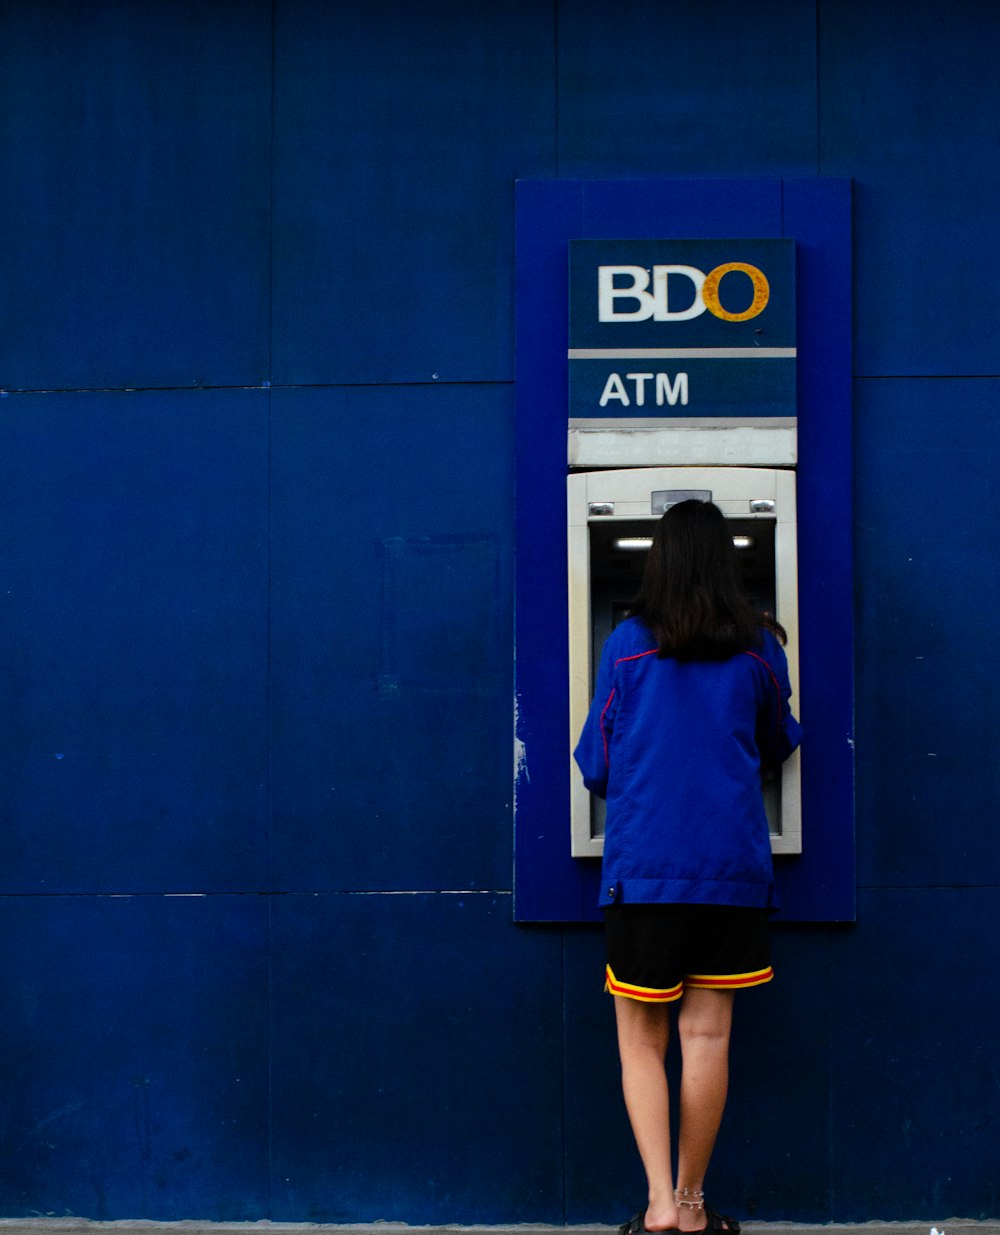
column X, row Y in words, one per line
column 256, row 493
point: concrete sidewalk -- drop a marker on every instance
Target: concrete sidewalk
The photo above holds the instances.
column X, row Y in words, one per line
column 80, row 1226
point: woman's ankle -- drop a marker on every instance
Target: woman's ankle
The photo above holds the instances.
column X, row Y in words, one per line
column 690, row 1204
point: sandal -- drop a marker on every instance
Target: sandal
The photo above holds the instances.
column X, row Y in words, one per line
column 635, row 1225
column 719, row 1222
column 714, row 1221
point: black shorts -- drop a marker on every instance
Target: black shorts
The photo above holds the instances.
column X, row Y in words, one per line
column 656, row 951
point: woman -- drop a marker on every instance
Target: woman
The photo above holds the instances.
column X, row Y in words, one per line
column 691, row 703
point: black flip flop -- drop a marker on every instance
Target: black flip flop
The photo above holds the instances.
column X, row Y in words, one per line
column 635, row 1225
column 719, row 1222
column 715, row 1222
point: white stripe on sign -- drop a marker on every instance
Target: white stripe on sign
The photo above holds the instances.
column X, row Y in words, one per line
column 681, row 353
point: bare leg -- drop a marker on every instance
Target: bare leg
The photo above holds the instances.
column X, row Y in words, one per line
column 643, row 1036
column 704, row 1025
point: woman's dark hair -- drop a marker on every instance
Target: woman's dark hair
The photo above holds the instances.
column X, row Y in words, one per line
column 690, row 596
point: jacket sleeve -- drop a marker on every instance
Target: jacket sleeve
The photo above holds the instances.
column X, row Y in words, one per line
column 591, row 753
column 778, row 732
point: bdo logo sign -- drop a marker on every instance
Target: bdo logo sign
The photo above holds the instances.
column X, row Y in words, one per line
column 619, row 287
column 692, row 328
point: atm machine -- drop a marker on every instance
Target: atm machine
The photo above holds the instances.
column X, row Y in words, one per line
column 610, row 518
column 681, row 338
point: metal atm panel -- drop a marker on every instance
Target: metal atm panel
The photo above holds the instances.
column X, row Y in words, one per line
column 609, row 515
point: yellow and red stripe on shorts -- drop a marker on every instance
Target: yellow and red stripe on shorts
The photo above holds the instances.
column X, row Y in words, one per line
column 647, row 994
column 730, row 981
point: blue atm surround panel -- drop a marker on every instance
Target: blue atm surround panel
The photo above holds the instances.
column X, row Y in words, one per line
column 817, row 885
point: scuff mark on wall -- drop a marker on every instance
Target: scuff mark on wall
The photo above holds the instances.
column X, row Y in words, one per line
column 520, row 754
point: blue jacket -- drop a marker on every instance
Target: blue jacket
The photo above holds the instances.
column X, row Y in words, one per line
column 676, row 748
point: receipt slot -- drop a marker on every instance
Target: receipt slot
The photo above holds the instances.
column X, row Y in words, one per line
column 611, row 515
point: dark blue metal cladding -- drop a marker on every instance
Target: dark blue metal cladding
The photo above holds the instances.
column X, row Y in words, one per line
column 928, row 697
column 412, row 1044
column 909, row 114
column 135, row 1051
column 703, row 210
column 818, row 885
column 399, row 131
column 135, row 201
column 134, row 1063
column 546, row 880
column 391, row 638
column 549, row 884
column 653, row 89
column 134, row 628
column 934, row 1138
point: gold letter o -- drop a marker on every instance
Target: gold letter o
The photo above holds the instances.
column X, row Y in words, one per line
column 710, row 292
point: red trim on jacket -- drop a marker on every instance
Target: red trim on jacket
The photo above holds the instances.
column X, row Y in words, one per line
column 619, row 661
